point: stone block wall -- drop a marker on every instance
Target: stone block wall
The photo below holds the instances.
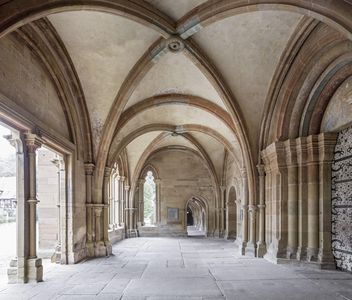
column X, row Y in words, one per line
column 25, row 82
column 182, row 175
column 48, row 206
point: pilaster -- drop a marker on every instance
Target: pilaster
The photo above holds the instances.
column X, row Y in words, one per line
column 251, row 245
column 275, row 161
column 221, row 213
column 301, row 146
column 89, row 170
column 313, row 198
column 261, row 245
column 244, row 207
column 292, row 198
column 105, row 209
column 122, row 202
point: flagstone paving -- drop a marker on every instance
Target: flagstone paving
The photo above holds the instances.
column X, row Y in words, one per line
column 181, row 268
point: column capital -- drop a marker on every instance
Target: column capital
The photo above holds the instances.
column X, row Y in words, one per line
column 327, row 143
column 222, row 188
column 261, row 170
column 291, row 152
column 127, row 187
column 98, row 211
column 301, row 147
column 243, row 172
column 252, row 208
column 107, row 171
column 33, row 201
column 157, row 180
column 89, row 168
column 33, row 142
column 313, row 148
column 122, row 178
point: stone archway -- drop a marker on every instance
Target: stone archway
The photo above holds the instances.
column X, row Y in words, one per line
column 198, row 209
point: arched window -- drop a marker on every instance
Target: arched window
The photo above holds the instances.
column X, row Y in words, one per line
column 114, row 196
column 149, row 199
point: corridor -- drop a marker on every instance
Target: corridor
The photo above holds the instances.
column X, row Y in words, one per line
column 170, row 268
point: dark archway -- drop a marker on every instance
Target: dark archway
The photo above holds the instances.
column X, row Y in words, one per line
column 231, row 215
column 196, row 216
column 190, row 220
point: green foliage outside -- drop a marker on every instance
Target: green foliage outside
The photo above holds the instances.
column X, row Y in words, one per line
column 149, row 199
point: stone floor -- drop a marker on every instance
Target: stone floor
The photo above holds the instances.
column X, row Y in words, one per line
column 189, row 268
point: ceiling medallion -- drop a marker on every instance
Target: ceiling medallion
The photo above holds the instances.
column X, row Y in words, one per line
column 175, row 45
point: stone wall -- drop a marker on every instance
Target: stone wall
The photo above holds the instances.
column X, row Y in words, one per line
column 48, row 206
column 233, row 221
column 342, row 201
column 182, row 175
column 24, row 81
column 28, row 89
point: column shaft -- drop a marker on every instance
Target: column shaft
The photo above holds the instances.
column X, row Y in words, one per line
column 292, row 211
column 244, row 207
column 313, row 199
column 301, row 147
column 89, row 169
column 292, row 198
column 141, row 201
column 261, row 246
column 35, row 268
column 107, row 199
column 116, row 200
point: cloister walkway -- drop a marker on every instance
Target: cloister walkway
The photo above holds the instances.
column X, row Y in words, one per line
column 172, row 268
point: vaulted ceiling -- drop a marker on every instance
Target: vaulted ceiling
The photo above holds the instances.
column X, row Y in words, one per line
column 183, row 96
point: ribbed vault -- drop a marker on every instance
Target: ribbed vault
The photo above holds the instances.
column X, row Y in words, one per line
column 220, row 79
column 121, row 56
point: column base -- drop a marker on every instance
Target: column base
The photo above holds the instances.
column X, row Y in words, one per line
column 241, row 246
column 261, row 249
column 101, row 250
column 12, row 272
column 56, row 257
column 250, row 249
column 312, row 254
column 229, row 235
column 108, row 246
column 301, row 253
column 325, row 257
column 90, row 249
column 34, row 270
column 16, row 273
column 216, row 233
column 305, row 264
column 291, row 253
column 274, row 252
